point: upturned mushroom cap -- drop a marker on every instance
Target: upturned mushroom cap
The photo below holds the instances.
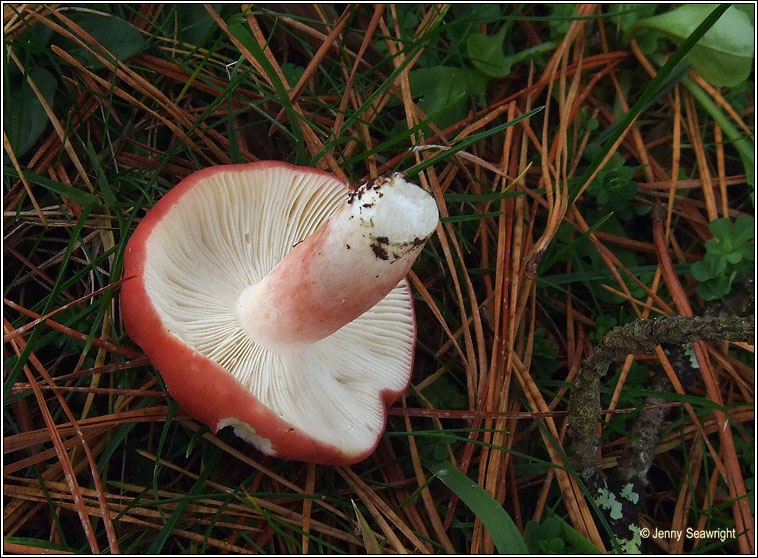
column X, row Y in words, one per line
column 271, row 298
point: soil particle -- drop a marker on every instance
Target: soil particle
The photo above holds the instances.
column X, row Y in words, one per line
column 379, row 252
column 372, row 184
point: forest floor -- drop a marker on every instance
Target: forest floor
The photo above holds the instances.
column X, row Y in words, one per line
column 585, row 179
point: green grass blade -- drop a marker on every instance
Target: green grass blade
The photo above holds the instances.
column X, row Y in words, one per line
column 49, row 301
column 242, row 34
column 79, row 196
column 504, row 533
column 369, row 538
column 652, row 90
column 472, row 139
column 489, row 196
column 470, row 217
column 385, row 145
column 547, row 263
column 745, row 148
column 183, row 503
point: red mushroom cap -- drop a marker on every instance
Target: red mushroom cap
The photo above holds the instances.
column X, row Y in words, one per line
column 216, row 233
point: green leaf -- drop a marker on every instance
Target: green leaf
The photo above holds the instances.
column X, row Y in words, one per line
column 545, row 538
column 448, row 87
column 444, row 395
column 503, row 531
column 195, row 22
column 631, row 13
column 713, row 246
column 472, row 198
column 486, row 53
column 25, row 119
column 733, row 257
column 434, row 448
column 465, row 17
column 292, row 73
column 708, row 268
column 560, row 19
column 581, row 544
column 721, row 228
column 33, row 40
column 476, row 14
column 716, row 288
column 744, row 228
column 551, row 529
column 603, row 324
column 724, row 55
column 749, row 10
column 747, row 249
column 532, row 531
column 121, row 39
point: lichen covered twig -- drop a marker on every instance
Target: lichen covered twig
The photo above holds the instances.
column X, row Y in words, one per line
column 618, row 497
column 640, row 336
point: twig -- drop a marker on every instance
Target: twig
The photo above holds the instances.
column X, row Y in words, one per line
column 640, row 336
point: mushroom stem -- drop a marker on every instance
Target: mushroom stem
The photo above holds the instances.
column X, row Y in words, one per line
column 344, row 268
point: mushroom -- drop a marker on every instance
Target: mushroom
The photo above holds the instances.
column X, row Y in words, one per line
column 272, row 298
